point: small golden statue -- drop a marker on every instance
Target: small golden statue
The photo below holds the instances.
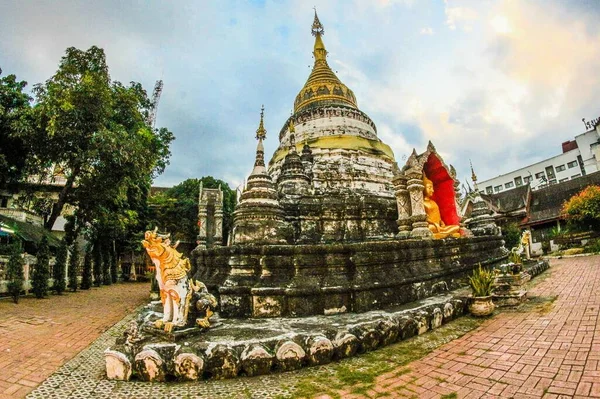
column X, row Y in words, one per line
column 434, row 218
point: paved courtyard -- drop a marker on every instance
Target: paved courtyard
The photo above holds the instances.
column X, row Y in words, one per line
column 37, row 336
column 551, row 350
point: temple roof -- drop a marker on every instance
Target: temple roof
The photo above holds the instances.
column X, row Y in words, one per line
column 322, row 86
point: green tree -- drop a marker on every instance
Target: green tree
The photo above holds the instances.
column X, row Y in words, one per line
column 583, row 209
column 106, row 277
column 74, row 267
column 113, row 265
column 14, row 273
column 96, row 130
column 39, row 279
column 16, row 122
column 176, row 209
column 58, row 272
column 512, row 235
column 97, row 254
column 86, row 274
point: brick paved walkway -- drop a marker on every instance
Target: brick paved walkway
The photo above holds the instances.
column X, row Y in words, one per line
column 550, row 352
column 38, row 336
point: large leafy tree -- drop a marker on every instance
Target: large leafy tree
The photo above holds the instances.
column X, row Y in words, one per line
column 96, row 130
column 176, row 209
column 583, row 209
column 15, row 125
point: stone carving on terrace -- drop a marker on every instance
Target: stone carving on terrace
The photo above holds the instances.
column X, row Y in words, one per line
column 422, row 214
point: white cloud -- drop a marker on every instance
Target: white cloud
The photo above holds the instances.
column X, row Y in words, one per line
column 427, row 31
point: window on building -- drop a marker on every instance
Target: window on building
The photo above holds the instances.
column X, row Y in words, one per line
column 509, row 184
column 497, row 189
column 527, row 179
column 552, row 181
column 572, row 164
column 563, row 180
column 550, row 172
column 518, row 181
column 540, row 175
column 575, row 176
column 581, row 165
column 560, row 168
column 489, row 190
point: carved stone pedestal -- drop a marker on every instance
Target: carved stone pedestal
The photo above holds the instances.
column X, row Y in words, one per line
column 508, row 289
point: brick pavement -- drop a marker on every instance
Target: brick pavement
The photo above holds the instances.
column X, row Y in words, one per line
column 552, row 351
column 38, row 336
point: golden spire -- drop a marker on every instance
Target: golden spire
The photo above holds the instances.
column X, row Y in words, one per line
column 317, row 27
column 261, row 133
column 322, row 84
column 473, row 176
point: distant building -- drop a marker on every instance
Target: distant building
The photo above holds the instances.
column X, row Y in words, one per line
column 537, row 210
column 579, row 157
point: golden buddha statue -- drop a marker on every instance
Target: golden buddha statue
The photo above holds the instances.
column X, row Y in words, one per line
column 434, row 218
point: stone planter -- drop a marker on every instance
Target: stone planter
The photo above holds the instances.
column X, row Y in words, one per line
column 481, row 306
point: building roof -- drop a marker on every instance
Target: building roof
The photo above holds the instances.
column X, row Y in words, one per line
column 509, row 201
column 29, row 232
column 546, row 203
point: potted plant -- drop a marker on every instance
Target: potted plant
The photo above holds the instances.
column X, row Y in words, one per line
column 481, row 285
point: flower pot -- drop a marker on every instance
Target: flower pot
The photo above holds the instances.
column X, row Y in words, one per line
column 481, row 306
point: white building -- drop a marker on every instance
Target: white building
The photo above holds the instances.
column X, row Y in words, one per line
column 579, row 158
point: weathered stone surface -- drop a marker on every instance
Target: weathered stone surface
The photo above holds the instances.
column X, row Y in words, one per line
column 345, row 345
column 287, row 280
column 118, row 365
column 188, row 366
column 319, row 350
column 150, row 366
column 368, row 335
column 437, row 318
column 289, row 355
column 222, row 362
column 256, row 360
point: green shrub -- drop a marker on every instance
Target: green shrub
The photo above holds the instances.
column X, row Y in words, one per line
column 14, row 273
column 73, row 267
column 106, row 278
column 481, row 282
column 86, row 274
column 97, row 252
column 39, row 278
column 58, row 272
column 512, row 235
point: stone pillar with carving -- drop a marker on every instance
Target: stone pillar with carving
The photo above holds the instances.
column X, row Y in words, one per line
column 202, row 219
column 419, row 217
column 404, row 209
column 218, row 240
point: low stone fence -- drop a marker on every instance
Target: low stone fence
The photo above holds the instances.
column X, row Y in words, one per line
column 271, row 345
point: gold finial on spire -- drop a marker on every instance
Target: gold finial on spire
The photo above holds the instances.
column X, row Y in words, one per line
column 317, row 27
column 473, row 175
column 261, row 133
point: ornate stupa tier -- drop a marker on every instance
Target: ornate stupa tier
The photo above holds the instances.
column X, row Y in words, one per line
column 348, row 157
column 323, row 87
column 258, row 217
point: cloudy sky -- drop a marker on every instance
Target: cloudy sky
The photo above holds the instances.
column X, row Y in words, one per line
column 502, row 83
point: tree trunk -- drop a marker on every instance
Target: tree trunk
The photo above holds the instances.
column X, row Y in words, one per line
column 58, row 206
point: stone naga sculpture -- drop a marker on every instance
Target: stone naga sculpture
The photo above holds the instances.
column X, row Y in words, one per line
column 180, row 295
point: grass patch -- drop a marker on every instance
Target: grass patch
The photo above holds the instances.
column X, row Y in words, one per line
column 452, row 395
column 359, row 374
